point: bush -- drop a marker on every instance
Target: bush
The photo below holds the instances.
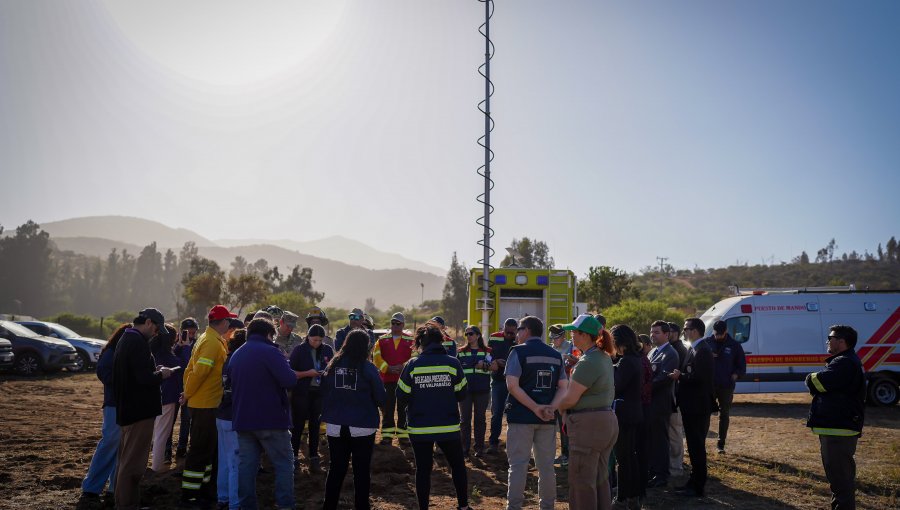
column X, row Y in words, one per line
column 640, row 314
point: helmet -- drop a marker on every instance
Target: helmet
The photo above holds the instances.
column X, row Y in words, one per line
column 317, row 313
column 274, row 311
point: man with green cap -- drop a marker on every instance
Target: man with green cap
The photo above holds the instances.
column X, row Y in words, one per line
column 286, row 339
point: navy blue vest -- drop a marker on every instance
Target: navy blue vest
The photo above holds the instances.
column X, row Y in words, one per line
column 541, row 367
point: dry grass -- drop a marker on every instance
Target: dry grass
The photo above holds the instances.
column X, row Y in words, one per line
column 49, row 427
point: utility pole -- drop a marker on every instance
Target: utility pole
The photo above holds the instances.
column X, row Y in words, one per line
column 662, row 261
column 421, row 303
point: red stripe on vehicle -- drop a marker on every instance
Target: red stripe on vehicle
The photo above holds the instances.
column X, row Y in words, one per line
column 888, row 333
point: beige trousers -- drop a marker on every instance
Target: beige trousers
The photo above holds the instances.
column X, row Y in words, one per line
column 162, row 427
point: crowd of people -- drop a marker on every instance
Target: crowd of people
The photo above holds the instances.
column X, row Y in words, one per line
column 621, row 405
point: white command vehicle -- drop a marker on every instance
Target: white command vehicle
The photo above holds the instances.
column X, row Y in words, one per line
column 783, row 333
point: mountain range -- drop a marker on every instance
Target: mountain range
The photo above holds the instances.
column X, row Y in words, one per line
column 347, row 271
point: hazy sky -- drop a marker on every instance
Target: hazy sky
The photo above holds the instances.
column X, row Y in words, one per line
column 708, row 132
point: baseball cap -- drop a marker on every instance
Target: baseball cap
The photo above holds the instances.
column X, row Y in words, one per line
column 220, row 312
column 439, row 320
column 556, row 331
column 510, row 322
column 235, row 323
column 585, row 323
column 398, row 317
column 356, row 312
column 290, row 318
column 155, row 316
column 720, row 327
column 190, row 322
column 601, row 319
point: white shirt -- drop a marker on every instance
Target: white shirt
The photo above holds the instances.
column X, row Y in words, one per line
column 332, row 430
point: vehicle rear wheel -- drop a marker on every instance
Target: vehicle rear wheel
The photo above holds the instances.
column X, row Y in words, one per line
column 27, row 363
column 883, row 391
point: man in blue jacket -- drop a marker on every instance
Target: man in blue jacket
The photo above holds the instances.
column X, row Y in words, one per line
column 731, row 365
column 837, row 412
column 261, row 413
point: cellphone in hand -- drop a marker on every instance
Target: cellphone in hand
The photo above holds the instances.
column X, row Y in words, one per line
column 184, row 335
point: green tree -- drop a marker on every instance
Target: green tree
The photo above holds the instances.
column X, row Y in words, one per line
column 147, row 284
column 640, row 314
column 290, row 301
column 203, row 286
column 300, row 280
column 244, row 290
column 530, row 253
column 605, row 286
column 25, row 271
column 454, row 299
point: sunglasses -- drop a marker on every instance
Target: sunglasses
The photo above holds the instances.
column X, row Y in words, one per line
column 832, row 337
column 396, row 323
column 355, row 317
column 470, row 333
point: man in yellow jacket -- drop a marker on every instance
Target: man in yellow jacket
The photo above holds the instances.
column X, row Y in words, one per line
column 203, row 393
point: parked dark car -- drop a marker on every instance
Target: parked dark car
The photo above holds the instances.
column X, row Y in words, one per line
column 6, row 354
column 35, row 353
column 88, row 348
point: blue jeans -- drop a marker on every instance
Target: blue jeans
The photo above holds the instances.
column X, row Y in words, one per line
column 103, row 463
column 277, row 445
column 227, row 477
column 498, row 404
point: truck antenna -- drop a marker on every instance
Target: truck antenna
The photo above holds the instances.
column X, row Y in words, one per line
column 486, row 303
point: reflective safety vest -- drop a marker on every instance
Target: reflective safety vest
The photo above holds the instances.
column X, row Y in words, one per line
column 390, row 352
column 541, row 368
column 449, row 345
column 479, row 379
column 430, row 386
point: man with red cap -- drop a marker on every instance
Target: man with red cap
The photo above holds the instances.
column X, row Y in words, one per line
column 203, row 393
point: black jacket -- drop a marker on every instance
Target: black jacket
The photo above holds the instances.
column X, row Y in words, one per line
column 301, row 360
column 695, row 384
column 629, row 378
column 839, row 394
column 135, row 380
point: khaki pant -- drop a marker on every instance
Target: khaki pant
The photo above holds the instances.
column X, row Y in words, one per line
column 523, row 439
column 162, row 429
column 676, row 444
column 592, row 436
column 134, row 447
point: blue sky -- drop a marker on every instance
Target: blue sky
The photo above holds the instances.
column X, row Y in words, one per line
column 706, row 132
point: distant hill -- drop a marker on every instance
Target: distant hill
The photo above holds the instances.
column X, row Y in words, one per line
column 125, row 229
column 344, row 285
column 139, row 232
column 344, row 250
column 96, row 247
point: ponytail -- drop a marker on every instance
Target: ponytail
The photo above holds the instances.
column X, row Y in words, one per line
column 605, row 342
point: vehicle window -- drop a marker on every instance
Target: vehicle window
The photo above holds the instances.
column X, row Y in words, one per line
column 63, row 332
column 739, row 328
column 19, row 330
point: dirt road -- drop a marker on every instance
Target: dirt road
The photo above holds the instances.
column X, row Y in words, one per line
column 50, row 425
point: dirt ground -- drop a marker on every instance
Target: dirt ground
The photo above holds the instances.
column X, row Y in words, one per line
column 50, row 425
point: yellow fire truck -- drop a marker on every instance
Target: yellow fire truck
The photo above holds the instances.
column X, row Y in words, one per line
column 548, row 294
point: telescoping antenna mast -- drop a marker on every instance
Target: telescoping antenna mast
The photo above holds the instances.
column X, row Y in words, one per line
column 486, row 303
